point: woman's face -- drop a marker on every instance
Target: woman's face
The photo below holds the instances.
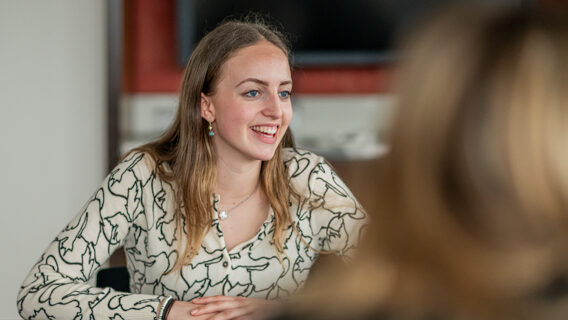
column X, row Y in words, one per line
column 251, row 104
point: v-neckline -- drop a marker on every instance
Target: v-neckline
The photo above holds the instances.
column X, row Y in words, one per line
column 252, row 241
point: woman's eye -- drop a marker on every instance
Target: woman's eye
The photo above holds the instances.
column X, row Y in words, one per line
column 252, row 93
column 285, row 94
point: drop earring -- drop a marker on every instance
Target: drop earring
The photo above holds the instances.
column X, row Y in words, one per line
column 211, row 133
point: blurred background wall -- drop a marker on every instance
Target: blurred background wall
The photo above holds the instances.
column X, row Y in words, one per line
column 52, row 126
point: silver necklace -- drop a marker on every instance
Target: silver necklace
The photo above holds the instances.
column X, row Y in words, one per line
column 224, row 214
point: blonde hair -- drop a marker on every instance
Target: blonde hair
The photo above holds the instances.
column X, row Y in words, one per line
column 474, row 193
column 184, row 154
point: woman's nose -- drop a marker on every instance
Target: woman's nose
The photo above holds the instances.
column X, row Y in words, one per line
column 273, row 106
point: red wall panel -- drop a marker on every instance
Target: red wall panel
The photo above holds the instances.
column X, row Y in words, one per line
column 150, row 61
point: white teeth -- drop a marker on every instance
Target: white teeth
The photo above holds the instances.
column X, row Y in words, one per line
column 267, row 130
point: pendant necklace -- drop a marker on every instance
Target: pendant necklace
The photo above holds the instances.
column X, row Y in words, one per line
column 224, row 214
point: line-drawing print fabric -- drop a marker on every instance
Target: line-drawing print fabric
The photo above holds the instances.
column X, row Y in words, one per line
column 134, row 208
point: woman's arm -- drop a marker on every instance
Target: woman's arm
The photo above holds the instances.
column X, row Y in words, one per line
column 329, row 217
column 335, row 210
column 57, row 288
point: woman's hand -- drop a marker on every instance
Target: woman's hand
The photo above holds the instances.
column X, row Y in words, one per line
column 182, row 310
column 234, row 308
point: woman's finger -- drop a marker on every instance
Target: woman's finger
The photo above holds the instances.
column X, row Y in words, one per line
column 221, row 306
column 218, row 298
column 233, row 313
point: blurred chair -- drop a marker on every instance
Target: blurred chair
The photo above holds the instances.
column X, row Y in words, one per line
column 114, row 277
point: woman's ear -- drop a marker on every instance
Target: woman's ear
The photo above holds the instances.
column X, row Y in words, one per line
column 207, row 108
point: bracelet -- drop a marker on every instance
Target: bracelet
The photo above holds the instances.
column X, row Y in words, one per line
column 167, row 308
column 166, row 305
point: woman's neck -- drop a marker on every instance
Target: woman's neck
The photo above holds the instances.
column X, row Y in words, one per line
column 236, row 182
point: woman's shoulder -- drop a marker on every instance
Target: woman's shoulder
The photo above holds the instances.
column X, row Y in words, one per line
column 298, row 154
column 302, row 165
column 305, row 167
column 136, row 161
column 312, row 177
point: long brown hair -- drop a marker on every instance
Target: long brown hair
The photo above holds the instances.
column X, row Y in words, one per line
column 477, row 189
column 184, row 154
column 473, row 221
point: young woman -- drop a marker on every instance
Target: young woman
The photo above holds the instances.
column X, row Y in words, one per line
column 473, row 222
column 220, row 213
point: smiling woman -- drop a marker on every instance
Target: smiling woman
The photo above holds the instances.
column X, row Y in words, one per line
column 220, row 216
column 250, row 108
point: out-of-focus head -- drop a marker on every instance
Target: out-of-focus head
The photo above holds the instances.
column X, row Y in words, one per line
column 473, row 216
column 476, row 186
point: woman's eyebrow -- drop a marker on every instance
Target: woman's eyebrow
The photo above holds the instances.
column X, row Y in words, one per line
column 261, row 82
column 255, row 80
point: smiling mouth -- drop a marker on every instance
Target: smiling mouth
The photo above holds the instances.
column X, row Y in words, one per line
column 266, row 131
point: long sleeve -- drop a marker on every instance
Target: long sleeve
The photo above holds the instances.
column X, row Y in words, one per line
column 330, row 218
column 57, row 288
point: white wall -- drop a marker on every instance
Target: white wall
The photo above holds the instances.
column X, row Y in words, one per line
column 52, row 126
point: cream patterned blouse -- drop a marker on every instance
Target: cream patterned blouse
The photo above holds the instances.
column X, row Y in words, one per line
column 133, row 208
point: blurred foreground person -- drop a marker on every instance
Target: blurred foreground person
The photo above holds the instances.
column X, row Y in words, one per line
column 474, row 222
